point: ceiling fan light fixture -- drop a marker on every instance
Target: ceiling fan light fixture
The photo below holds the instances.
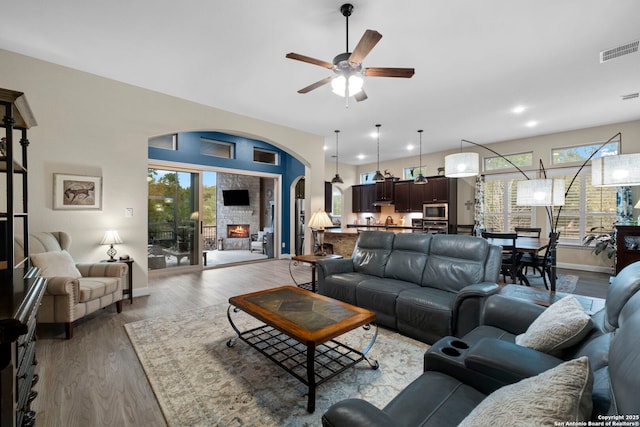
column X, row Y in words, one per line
column 340, row 85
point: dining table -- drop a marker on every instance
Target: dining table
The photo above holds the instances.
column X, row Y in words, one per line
column 532, row 245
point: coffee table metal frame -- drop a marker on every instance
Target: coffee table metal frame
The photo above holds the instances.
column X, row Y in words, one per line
column 311, row 362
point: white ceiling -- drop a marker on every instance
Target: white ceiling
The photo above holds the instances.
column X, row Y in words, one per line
column 474, row 60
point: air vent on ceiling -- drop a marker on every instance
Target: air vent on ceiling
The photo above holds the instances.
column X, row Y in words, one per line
column 630, row 96
column 616, row 52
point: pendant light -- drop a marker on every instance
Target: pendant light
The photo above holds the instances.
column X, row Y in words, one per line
column 378, row 177
column 336, row 179
column 420, row 179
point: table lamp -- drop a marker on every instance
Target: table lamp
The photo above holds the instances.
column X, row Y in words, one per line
column 319, row 220
column 111, row 237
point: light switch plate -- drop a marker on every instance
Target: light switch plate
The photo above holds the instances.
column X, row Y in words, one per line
column 128, row 212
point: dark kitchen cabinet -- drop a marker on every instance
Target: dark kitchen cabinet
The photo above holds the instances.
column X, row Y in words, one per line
column 385, row 190
column 402, row 197
column 363, row 197
column 409, row 197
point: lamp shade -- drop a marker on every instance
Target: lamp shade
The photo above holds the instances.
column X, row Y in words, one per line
column 615, row 171
column 111, row 237
column 540, row 192
column 460, row 165
column 637, row 206
column 320, row 220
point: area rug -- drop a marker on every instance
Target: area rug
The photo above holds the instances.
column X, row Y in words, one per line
column 199, row 381
column 564, row 283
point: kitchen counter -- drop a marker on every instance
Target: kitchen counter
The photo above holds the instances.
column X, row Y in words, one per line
column 381, row 226
column 344, row 239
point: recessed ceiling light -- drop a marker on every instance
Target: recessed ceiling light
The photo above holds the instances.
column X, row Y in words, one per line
column 410, row 147
column 518, row 109
column 531, row 123
column 361, row 156
column 373, row 135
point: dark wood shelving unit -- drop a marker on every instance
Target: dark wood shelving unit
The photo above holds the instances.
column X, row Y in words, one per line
column 21, row 288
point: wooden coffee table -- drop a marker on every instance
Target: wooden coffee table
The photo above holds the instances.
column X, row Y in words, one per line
column 299, row 331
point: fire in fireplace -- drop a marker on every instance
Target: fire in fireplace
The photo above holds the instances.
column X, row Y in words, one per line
column 238, row 231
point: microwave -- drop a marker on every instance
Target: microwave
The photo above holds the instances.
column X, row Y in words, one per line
column 435, row 211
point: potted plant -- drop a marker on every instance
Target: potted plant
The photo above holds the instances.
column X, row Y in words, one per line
column 603, row 239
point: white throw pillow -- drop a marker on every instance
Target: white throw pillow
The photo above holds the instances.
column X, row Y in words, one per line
column 560, row 326
column 55, row 264
column 560, row 394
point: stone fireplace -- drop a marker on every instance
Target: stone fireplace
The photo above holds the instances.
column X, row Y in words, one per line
column 238, row 231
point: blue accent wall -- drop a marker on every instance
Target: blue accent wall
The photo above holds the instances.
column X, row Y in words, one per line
column 289, row 168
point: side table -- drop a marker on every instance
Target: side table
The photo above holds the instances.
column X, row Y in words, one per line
column 310, row 259
column 129, row 290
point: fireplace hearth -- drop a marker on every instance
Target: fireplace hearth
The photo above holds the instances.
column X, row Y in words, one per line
column 238, row 231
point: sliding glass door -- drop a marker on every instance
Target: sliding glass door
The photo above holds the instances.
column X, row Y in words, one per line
column 173, row 216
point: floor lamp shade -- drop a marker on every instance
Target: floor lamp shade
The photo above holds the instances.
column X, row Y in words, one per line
column 540, row 192
column 615, row 171
column 460, row 165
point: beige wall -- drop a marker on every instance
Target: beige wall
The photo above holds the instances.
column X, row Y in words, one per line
column 89, row 125
column 570, row 257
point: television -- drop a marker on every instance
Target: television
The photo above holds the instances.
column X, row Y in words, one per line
column 235, row 197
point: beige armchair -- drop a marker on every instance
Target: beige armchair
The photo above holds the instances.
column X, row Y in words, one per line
column 73, row 290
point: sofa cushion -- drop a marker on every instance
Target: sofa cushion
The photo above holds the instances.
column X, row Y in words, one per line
column 379, row 295
column 372, row 251
column 560, row 326
column 409, row 256
column 455, row 262
column 55, row 264
column 425, row 313
column 96, row 287
column 433, row 399
column 342, row 286
column 561, row 393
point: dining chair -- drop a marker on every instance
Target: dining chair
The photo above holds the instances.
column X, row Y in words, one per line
column 541, row 263
column 510, row 258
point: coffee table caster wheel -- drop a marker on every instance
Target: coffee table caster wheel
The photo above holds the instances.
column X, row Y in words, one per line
column 231, row 342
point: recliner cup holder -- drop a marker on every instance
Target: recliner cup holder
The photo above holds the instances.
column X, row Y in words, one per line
column 459, row 344
column 450, row 351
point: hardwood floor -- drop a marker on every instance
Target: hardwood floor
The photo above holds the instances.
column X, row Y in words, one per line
column 95, row 378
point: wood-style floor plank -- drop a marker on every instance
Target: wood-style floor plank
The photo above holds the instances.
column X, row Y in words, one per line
column 95, row 379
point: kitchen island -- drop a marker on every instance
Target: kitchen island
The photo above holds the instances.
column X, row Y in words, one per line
column 344, row 239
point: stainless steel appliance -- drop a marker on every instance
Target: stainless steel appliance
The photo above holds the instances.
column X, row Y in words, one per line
column 421, row 225
column 299, row 228
column 435, row 211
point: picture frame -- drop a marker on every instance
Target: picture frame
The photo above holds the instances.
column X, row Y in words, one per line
column 77, row 192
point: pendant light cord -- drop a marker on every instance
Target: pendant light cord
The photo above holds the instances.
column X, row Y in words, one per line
column 337, row 132
column 378, row 126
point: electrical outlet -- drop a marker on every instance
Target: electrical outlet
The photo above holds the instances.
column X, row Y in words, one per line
column 128, row 212
column 282, row 245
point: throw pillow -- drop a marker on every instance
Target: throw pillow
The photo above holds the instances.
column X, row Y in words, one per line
column 560, row 394
column 55, row 264
column 560, row 326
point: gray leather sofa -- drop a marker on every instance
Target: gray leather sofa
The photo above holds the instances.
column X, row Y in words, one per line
column 425, row 286
column 460, row 372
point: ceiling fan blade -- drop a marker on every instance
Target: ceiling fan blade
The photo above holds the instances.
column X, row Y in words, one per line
column 388, row 72
column 310, row 60
column 315, row 85
column 369, row 39
column 361, row 96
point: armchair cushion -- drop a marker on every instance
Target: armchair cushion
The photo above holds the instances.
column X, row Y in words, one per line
column 561, row 393
column 562, row 325
column 56, row 264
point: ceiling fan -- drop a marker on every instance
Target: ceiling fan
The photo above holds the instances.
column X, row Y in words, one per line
column 348, row 65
